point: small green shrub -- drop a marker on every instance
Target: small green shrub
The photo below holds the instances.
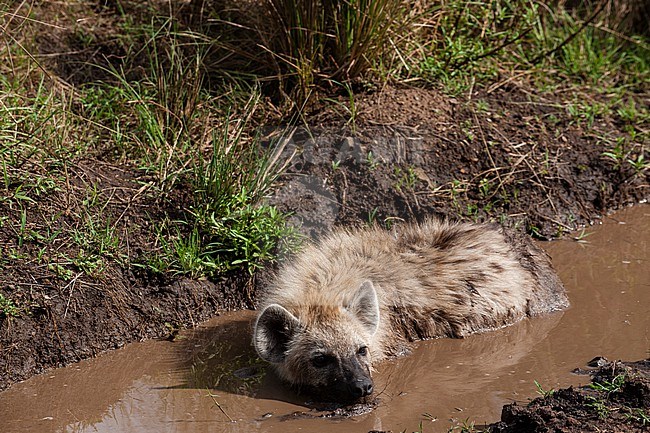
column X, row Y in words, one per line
column 232, row 225
column 7, row 307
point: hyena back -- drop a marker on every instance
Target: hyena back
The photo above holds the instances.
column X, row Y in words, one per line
column 359, row 296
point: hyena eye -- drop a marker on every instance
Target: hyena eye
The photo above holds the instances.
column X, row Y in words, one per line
column 363, row 351
column 322, row 360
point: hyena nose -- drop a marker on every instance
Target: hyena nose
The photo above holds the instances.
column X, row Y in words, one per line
column 362, row 387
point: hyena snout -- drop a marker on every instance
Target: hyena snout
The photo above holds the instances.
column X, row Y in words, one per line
column 357, row 382
column 361, row 387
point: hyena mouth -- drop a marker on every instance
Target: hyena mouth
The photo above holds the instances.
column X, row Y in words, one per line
column 342, row 410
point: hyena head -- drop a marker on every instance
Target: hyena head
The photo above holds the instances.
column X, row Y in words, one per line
column 325, row 349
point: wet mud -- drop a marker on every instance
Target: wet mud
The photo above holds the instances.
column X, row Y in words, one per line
column 616, row 400
column 209, row 379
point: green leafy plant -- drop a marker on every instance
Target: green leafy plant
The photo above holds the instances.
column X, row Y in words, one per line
column 372, row 161
column 406, row 179
column 484, row 187
column 639, row 164
column 624, row 154
column 609, row 387
column 231, row 226
column 541, row 391
column 7, row 307
column 617, row 153
column 599, row 406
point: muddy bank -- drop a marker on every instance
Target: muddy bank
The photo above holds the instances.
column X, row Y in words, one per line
column 413, row 152
column 71, row 321
column 617, row 400
column 209, row 378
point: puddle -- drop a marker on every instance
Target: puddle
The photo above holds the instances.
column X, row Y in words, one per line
column 209, row 380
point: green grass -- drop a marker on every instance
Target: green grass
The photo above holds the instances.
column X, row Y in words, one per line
column 7, row 307
column 609, row 387
column 603, row 406
column 405, row 178
column 154, row 119
column 178, row 138
column 544, row 392
column 230, row 225
column 638, row 415
column 478, row 42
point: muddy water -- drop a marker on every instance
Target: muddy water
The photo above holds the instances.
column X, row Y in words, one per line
column 209, row 380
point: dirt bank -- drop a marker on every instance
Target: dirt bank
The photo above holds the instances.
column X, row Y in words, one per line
column 413, row 152
column 617, row 400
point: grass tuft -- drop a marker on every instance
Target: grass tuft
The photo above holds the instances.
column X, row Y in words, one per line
column 7, row 307
column 232, row 227
column 466, row 43
column 296, row 47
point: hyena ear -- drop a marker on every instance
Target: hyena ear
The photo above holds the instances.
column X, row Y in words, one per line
column 274, row 330
column 365, row 306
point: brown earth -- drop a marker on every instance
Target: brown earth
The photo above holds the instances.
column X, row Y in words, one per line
column 618, row 400
column 503, row 152
column 412, row 152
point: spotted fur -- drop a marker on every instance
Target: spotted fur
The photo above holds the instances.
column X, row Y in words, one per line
column 359, row 296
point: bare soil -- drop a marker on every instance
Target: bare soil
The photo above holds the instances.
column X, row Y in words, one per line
column 595, row 408
column 411, row 152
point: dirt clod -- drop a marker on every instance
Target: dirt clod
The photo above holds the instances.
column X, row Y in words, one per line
column 618, row 400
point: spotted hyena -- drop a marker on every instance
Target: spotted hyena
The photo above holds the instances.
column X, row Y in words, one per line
column 357, row 297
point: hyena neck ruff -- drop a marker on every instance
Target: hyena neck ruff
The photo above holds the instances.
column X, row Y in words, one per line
column 325, row 351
